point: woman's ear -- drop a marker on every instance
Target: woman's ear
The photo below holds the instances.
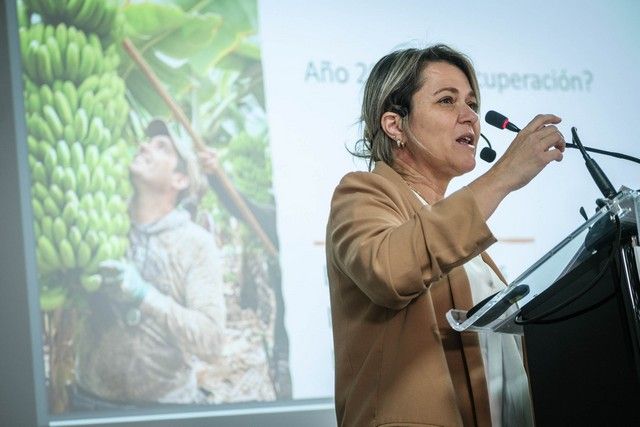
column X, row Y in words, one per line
column 391, row 124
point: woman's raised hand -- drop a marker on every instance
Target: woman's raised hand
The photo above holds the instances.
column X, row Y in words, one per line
column 535, row 146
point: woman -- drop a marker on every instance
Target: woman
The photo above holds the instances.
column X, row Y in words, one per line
column 400, row 254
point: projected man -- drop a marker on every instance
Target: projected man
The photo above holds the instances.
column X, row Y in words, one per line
column 162, row 309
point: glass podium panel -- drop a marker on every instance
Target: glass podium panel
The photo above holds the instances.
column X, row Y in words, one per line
column 499, row 312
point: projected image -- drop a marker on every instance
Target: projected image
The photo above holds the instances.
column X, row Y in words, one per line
column 154, row 216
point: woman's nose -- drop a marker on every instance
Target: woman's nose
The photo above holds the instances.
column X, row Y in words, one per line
column 468, row 115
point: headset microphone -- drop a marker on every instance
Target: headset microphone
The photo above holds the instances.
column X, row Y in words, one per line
column 488, row 154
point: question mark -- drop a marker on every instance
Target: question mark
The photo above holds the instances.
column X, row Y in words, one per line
column 589, row 77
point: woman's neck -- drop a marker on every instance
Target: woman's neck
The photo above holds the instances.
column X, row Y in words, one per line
column 421, row 179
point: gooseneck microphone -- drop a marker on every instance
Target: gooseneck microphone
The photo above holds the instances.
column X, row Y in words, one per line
column 498, row 120
column 603, row 183
column 606, row 188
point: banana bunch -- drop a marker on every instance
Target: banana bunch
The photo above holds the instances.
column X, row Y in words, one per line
column 97, row 16
column 93, row 113
column 79, row 215
column 75, row 112
column 63, row 53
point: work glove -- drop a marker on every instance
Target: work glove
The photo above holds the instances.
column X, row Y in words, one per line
column 122, row 281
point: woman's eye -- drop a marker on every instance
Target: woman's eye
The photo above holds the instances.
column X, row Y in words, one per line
column 446, row 100
column 473, row 106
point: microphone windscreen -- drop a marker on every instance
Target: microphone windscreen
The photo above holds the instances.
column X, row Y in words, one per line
column 488, row 154
column 496, row 119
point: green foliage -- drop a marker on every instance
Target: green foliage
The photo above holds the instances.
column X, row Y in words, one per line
column 249, row 163
column 206, row 55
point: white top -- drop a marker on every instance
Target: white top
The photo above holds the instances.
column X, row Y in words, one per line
column 507, row 382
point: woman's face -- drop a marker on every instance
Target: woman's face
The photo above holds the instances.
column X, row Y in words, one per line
column 443, row 122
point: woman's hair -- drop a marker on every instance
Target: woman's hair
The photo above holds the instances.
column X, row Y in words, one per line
column 391, row 85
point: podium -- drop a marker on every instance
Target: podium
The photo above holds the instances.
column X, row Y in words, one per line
column 578, row 308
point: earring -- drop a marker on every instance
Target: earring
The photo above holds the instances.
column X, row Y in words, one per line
column 400, row 143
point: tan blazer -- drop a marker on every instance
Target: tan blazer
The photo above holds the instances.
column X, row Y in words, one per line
column 394, row 270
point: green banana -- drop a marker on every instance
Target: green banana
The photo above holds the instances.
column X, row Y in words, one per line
column 95, row 42
column 38, row 210
column 81, row 124
column 44, row 64
column 36, row 31
column 64, row 153
column 39, row 127
column 50, row 207
column 46, row 224
column 106, row 25
column 33, row 146
column 73, row 7
column 39, row 174
column 48, row 32
column 97, row 179
column 82, row 221
column 46, row 95
column 50, row 159
column 77, row 156
column 61, row 37
column 89, row 84
column 86, row 102
column 57, row 175
column 70, row 213
column 105, row 139
column 91, row 237
column 48, row 251
column 71, row 93
column 57, row 195
column 72, row 34
column 39, row 191
column 85, row 12
column 71, row 197
column 53, row 120
column 30, row 61
column 63, row 108
column 56, row 58
column 33, row 103
column 75, row 237
column 90, row 283
column 69, row 180
column 23, row 35
column 72, row 61
column 92, row 156
column 98, row 110
column 110, row 185
column 100, row 201
column 69, row 133
column 87, row 61
column 59, row 229
column 95, row 130
column 67, row 256
column 83, row 179
column 52, row 298
column 81, row 38
column 97, row 16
